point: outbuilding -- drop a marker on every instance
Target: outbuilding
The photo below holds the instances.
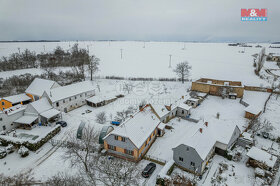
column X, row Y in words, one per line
column 260, row 158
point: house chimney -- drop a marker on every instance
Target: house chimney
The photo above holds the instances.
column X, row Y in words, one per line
column 131, row 116
column 182, row 97
column 200, row 130
column 206, row 123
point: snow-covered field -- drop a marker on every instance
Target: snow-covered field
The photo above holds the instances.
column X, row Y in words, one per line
column 212, row 60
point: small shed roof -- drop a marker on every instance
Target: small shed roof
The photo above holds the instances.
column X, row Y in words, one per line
column 17, row 98
column 100, row 98
column 50, row 113
column 26, row 119
column 253, row 109
column 262, row 156
column 41, row 105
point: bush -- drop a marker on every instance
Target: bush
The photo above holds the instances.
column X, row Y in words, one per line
column 23, row 151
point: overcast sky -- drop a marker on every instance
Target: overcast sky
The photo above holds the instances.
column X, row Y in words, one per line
column 158, row 20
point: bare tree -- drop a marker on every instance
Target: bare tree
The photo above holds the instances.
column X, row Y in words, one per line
column 96, row 169
column 93, row 65
column 258, row 125
column 260, row 61
column 18, row 179
column 124, row 114
column 127, row 87
column 182, row 70
column 101, row 117
column 63, row 179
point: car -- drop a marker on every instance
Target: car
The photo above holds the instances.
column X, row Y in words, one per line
column 61, row 123
column 265, row 135
column 149, row 169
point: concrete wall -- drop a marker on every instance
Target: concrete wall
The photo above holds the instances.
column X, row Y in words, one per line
column 213, row 89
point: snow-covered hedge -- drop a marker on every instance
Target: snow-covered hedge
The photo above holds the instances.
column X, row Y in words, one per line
column 23, row 151
column 32, row 145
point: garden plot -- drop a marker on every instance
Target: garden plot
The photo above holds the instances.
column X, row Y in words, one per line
column 229, row 111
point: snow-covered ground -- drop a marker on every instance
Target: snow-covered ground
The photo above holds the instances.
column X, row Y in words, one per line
column 212, row 60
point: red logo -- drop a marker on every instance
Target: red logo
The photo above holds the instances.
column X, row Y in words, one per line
column 253, row 12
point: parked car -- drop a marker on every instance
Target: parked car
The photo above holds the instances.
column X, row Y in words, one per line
column 61, row 123
column 3, row 153
column 149, row 169
column 265, row 135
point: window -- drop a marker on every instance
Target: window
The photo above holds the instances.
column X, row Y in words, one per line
column 130, row 152
column 182, row 111
column 3, row 103
column 4, row 127
column 188, row 149
column 123, row 139
column 69, row 99
column 63, row 101
column 146, row 143
column 116, row 137
column 111, row 147
column 192, row 164
column 75, row 97
column 81, row 95
column 1, row 119
column 181, row 159
column 85, row 94
column 57, row 104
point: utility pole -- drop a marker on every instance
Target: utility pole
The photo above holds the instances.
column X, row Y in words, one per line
column 121, row 53
column 170, row 60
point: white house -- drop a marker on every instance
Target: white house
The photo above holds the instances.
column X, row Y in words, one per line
column 8, row 116
column 67, row 98
column 38, row 86
column 38, row 112
column 194, row 151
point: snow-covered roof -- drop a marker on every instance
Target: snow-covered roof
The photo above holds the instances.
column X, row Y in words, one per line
column 14, row 109
column 253, row 109
column 17, row 98
column 247, row 136
column 41, row 105
column 50, row 113
column 185, row 106
column 161, row 110
column 26, row 119
column 161, row 126
column 68, row 91
column 38, row 86
column 216, row 131
column 139, row 127
column 262, row 156
column 193, row 99
column 163, row 172
column 100, row 98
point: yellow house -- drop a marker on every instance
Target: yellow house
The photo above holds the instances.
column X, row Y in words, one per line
column 10, row 101
column 133, row 138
